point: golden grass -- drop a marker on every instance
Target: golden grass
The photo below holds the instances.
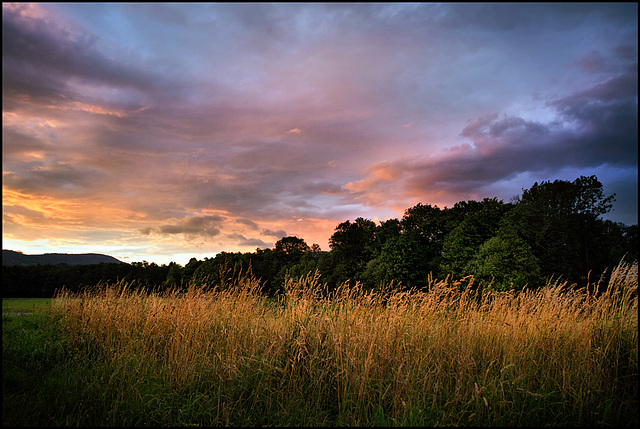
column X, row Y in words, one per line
column 449, row 356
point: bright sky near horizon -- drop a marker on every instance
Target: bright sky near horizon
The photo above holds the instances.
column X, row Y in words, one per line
column 162, row 132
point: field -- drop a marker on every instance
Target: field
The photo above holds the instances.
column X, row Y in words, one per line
column 228, row 356
column 25, row 305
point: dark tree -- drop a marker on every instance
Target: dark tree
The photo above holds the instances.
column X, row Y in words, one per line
column 352, row 246
column 292, row 246
column 560, row 222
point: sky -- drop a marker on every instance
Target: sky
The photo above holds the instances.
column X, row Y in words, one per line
column 162, row 132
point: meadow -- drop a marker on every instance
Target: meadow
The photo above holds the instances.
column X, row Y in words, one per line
column 226, row 355
column 16, row 306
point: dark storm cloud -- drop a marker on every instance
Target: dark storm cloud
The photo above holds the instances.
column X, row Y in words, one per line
column 595, row 127
column 40, row 58
column 606, row 106
column 521, row 16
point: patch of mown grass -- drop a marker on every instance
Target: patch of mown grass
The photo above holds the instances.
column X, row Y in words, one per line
column 33, row 358
column 25, row 305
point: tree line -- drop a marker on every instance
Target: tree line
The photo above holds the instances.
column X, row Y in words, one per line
column 553, row 230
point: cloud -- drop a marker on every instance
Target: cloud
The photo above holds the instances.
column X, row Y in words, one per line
column 596, row 126
column 20, row 146
column 54, row 178
column 248, row 222
column 240, row 240
column 592, row 63
column 277, row 234
column 206, row 226
column 49, row 61
column 126, row 117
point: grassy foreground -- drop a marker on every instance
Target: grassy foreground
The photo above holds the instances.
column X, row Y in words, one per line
column 229, row 356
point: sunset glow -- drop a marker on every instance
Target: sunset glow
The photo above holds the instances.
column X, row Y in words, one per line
column 166, row 131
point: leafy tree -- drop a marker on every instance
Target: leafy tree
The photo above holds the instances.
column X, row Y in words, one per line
column 560, row 222
column 561, row 198
column 189, row 270
column 174, row 276
column 221, row 270
column 353, row 245
column 288, row 253
column 379, row 270
column 629, row 241
column 293, row 247
column 611, row 242
column 411, row 248
column 207, row 273
column 425, row 225
column 479, row 222
column 309, row 263
column 423, row 232
column 506, row 262
column 388, row 230
column 403, row 260
column 426, row 221
column 266, row 264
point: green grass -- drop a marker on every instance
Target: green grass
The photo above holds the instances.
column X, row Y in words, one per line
column 25, row 305
column 449, row 357
column 34, row 363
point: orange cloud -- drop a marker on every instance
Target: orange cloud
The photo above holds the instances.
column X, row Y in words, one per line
column 42, row 212
column 380, row 186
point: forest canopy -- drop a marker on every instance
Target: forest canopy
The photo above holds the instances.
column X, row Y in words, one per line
column 553, row 230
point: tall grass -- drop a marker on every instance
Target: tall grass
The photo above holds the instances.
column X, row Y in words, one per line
column 450, row 356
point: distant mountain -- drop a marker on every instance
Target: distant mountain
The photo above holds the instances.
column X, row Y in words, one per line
column 10, row 257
